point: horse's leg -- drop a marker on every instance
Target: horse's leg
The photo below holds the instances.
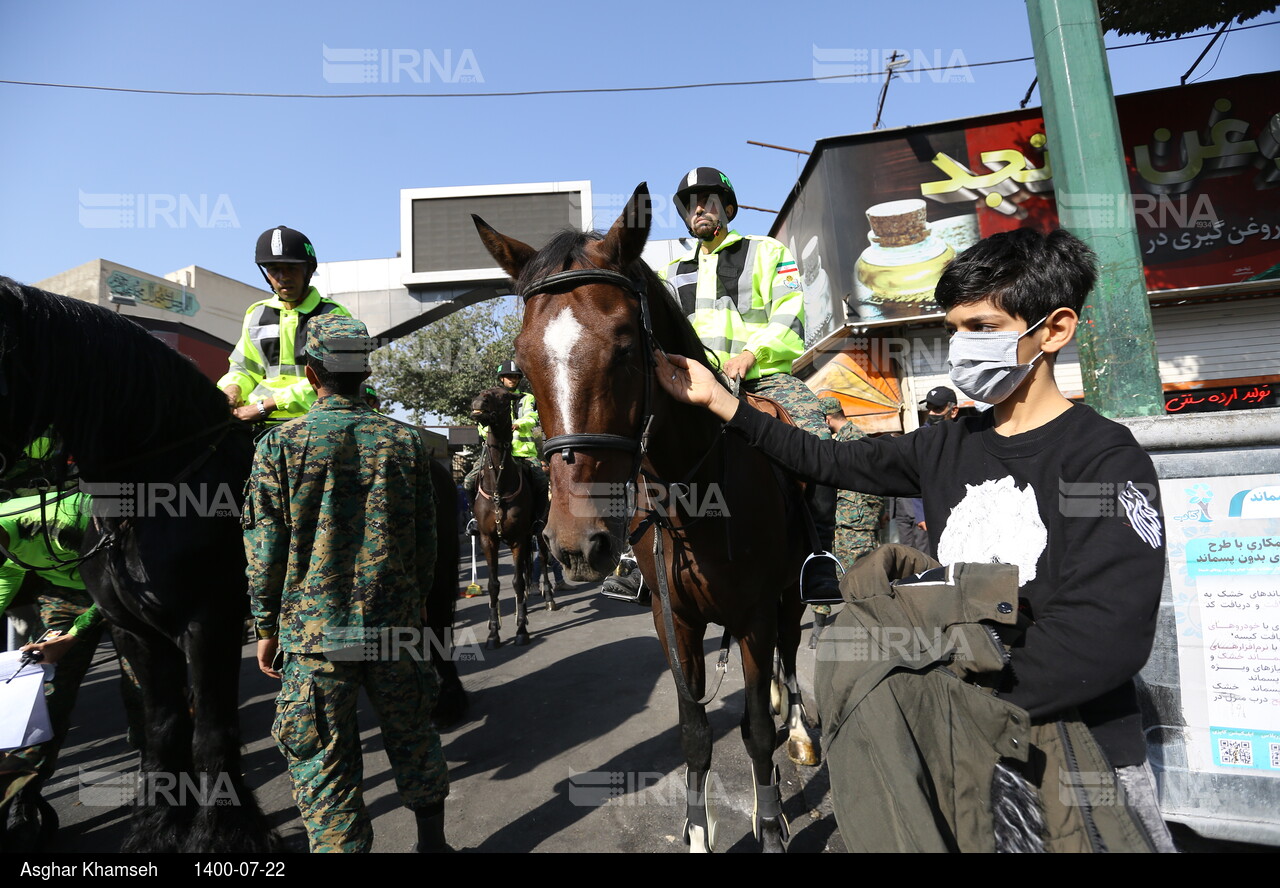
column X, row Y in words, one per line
column 161, row 815
column 227, row 814
column 548, row 587
column 759, row 733
column 800, row 746
column 695, row 732
column 521, row 558
column 490, row 543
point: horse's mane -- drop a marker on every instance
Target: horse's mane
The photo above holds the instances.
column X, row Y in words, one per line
column 671, row 328
column 95, row 374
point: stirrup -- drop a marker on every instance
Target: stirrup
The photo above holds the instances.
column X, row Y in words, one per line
column 614, row 587
column 804, row 590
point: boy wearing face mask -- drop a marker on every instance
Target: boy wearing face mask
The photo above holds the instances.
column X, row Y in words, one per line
column 1035, row 480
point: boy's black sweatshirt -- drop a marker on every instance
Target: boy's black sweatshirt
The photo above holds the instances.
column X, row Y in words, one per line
column 1073, row 503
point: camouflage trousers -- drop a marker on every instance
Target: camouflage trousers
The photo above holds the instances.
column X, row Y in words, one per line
column 852, row 544
column 28, row 768
column 797, row 397
column 316, row 730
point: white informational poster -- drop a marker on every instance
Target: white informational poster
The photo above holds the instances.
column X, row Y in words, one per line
column 1224, row 568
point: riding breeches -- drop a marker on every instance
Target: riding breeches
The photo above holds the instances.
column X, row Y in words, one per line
column 316, row 730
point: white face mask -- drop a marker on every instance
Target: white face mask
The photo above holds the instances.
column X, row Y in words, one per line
column 985, row 365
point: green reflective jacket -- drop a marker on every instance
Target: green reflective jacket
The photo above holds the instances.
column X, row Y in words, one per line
column 268, row 361
column 21, row 520
column 744, row 296
column 523, row 421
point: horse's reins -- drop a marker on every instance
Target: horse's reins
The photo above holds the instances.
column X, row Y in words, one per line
column 566, row 444
column 497, row 496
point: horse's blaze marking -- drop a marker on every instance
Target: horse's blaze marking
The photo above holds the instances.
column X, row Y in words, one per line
column 562, row 336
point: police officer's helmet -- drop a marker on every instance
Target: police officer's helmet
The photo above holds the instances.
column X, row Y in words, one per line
column 281, row 244
column 509, row 368
column 705, row 180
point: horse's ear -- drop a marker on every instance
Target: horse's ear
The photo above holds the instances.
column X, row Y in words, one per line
column 626, row 239
column 512, row 255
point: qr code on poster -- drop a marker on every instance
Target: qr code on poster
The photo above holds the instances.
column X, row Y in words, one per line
column 1275, row 755
column 1235, row 752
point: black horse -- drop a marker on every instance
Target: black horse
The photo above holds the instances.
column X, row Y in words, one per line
column 154, row 441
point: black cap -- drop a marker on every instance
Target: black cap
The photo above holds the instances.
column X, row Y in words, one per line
column 509, row 368
column 939, row 397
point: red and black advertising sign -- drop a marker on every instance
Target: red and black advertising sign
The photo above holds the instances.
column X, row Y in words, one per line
column 1230, row 397
column 878, row 215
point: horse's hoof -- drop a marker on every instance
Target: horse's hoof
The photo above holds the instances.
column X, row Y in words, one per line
column 802, row 752
column 522, row 639
column 492, row 643
column 552, row 605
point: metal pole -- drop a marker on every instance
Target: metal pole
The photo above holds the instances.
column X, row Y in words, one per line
column 1117, row 345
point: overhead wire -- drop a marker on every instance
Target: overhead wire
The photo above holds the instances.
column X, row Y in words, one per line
column 584, row 90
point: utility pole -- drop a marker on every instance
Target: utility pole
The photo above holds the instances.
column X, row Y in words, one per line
column 893, row 63
column 1116, row 341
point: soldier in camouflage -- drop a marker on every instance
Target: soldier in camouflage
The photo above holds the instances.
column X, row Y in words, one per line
column 858, row 515
column 341, row 544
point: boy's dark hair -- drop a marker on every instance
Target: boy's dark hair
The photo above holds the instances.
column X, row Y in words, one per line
column 1023, row 272
column 349, row 385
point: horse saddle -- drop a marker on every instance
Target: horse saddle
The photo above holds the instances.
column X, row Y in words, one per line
column 769, row 407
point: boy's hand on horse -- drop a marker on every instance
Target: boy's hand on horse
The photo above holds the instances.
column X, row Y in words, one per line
column 692, row 383
column 267, row 650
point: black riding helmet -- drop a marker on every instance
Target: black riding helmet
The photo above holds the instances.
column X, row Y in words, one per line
column 509, row 368
column 286, row 246
column 705, row 180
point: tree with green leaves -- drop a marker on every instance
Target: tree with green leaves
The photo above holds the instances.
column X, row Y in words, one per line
column 1173, row 18
column 440, row 368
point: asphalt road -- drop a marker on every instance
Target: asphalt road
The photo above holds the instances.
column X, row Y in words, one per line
column 571, row 745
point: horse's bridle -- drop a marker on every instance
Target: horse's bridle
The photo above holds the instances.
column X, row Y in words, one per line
column 565, row 445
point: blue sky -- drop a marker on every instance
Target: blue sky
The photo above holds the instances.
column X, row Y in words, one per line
column 334, row 167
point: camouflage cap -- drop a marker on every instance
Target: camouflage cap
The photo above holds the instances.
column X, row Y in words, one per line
column 340, row 342
column 830, row 407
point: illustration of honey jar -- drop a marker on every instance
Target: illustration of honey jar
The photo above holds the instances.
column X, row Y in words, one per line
column 904, row 260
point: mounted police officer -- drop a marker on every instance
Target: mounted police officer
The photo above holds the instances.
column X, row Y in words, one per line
column 742, row 294
column 524, row 419
column 266, row 379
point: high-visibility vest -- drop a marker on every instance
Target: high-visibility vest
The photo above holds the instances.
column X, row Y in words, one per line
column 524, row 417
column 269, row 361
column 744, row 296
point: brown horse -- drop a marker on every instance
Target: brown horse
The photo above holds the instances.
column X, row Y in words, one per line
column 505, row 510
column 715, row 531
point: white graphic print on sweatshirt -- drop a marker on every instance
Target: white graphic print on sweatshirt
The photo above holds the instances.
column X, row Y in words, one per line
column 995, row 522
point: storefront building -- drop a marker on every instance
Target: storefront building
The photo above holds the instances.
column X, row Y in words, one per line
column 875, row 218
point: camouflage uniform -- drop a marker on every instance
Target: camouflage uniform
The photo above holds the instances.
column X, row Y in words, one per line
column 858, row 515
column 341, row 544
